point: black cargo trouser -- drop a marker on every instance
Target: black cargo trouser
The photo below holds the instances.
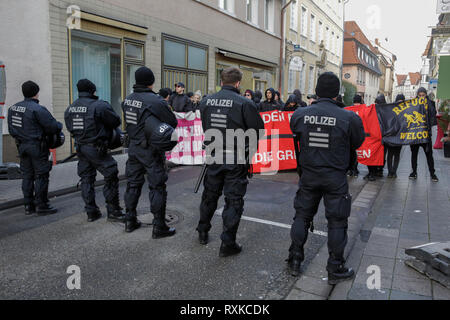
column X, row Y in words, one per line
column 36, row 168
column 333, row 187
column 89, row 162
column 428, row 149
column 232, row 180
column 143, row 161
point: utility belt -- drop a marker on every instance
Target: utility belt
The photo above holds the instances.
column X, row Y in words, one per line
column 42, row 143
column 101, row 146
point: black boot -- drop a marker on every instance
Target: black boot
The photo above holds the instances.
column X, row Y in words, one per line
column 203, row 237
column 339, row 273
column 229, row 250
column 162, row 232
column 294, row 264
column 30, row 209
column 46, row 209
column 115, row 213
column 94, row 215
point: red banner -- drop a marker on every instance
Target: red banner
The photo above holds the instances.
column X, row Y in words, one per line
column 276, row 150
column 371, row 152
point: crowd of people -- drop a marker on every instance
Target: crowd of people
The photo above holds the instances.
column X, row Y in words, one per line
column 332, row 135
column 392, row 152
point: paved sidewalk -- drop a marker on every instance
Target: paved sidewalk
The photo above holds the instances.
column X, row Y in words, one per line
column 63, row 180
column 407, row 213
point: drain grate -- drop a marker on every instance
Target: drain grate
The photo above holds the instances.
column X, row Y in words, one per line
column 172, row 217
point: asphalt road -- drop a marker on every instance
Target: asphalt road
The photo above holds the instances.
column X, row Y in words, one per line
column 35, row 252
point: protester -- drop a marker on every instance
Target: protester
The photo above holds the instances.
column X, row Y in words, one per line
column 278, row 99
column 393, row 151
column 257, row 98
column 381, row 99
column 354, row 172
column 427, row 147
column 269, row 104
column 196, row 98
column 249, row 94
column 165, row 93
column 300, row 101
column 291, row 103
column 311, row 98
column 190, row 95
column 179, row 101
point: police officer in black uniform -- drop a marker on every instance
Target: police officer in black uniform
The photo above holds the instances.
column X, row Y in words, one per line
column 327, row 134
column 227, row 111
column 29, row 124
column 91, row 122
column 143, row 158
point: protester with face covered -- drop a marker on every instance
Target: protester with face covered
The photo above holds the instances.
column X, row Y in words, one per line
column 291, row 103
column 300, row 101
column 278, row 99
column 270, row 103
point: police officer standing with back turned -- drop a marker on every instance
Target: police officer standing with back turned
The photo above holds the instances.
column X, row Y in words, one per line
column 327, row 134
column 227, row 111
column 91, row 122
column 29, row 124
column 143, row 158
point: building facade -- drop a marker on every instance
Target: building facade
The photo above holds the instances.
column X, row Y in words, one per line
column 386, row 62
column 361, row 67
column 438, row 57
column 107, row 40
column 313, row 43
column 407, row 84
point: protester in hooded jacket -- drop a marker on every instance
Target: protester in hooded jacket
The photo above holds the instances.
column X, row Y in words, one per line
column 300, row 101
column 257, row 98
column 393, row 151
column 269, row 104
column 381, row 99
column 278, row 99
column 291, row 103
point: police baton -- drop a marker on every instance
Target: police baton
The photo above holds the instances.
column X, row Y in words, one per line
column 201, row 176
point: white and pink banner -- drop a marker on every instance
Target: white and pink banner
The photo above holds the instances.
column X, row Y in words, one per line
column 189, row 150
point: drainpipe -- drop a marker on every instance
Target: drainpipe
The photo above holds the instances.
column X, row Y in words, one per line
column 343, row 42
column 280, row 77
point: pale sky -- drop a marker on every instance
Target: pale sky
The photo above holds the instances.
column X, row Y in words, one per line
column 404, row 22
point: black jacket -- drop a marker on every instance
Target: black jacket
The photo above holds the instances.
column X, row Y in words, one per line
column 28, row 121
column 89, row 119
column 269, row 105
column 292, row 98
column 327, row 134
column 226, row 109
column 138, row 106
column 180, row 103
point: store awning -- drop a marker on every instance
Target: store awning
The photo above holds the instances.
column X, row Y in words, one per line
column 238, row 56
column 443, row 91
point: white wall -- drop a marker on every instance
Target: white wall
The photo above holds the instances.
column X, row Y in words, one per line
column 25, row 49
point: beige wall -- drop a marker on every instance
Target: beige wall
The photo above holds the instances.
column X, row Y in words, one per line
column 198, row 21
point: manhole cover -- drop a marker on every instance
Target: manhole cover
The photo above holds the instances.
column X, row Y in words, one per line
column 172, row 217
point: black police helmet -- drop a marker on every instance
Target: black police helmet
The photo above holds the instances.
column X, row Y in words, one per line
column 159, row 134
column 56, row 140
column 116, row 139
